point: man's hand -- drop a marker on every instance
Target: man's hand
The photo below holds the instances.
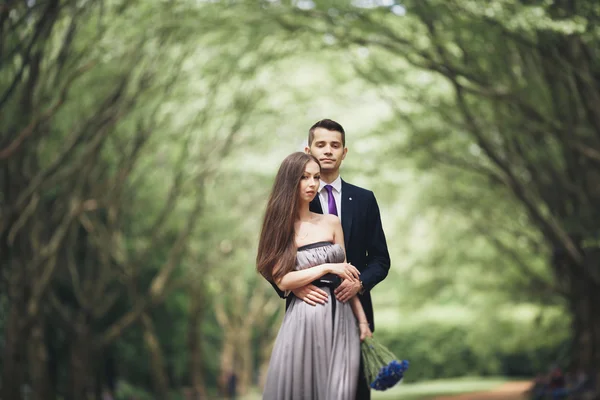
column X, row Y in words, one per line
column 311, row 294
column 347, row 289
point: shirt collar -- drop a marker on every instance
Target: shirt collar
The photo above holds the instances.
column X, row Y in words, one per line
column 336, row 184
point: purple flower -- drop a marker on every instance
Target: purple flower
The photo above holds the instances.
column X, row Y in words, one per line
column 390, row 375
column 381, row 367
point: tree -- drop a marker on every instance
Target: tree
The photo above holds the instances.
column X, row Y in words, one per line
column 520, row 83
column 82, row 261
column 515, row 102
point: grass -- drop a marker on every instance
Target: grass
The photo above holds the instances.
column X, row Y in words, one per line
column 426, row 390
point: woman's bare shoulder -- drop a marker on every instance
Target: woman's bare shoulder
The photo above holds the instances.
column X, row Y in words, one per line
column 331, row 219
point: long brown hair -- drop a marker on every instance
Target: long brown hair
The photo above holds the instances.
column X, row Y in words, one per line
column 277, row 244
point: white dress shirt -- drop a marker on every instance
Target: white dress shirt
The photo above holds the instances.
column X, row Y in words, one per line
column 337, row 196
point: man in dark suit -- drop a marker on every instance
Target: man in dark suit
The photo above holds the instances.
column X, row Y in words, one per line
column 364, row 239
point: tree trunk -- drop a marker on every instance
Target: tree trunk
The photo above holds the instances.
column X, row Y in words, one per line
column 195, row 346
column 39, row 363
column 245, row 361
column 586, row 331
column 263, row 366
column 227, row 361
column 13, row 371
column 583, row 303
column 80, row 359
column 160, row 381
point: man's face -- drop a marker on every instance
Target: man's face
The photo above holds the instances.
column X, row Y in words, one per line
column 328, row 149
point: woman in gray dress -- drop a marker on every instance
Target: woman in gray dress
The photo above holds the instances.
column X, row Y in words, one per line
column 317, row 351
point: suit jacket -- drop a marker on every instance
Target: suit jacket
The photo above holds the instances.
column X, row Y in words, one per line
column 365, row 243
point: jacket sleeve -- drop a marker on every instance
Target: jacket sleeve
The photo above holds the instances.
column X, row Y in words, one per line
column 378, row 258
column 281, row 293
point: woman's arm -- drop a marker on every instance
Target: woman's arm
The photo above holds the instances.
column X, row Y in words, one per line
column 295, row 279
column 338, row 238
column 338, row 232
column 359, row 313
column 357, row 308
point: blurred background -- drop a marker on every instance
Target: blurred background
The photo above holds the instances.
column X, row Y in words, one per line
column 139, row 140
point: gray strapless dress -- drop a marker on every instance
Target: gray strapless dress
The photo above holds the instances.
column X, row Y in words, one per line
column 317, row 351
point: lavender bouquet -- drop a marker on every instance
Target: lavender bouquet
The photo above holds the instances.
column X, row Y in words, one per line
column 382, row 369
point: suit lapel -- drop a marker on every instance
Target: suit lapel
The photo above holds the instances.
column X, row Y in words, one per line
column 315, row 205
column 347, row 211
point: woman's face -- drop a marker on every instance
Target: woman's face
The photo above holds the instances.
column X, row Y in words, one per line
column 309, row 183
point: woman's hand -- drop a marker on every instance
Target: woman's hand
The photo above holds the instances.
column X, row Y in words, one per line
column 344, row 270
column 365, row 330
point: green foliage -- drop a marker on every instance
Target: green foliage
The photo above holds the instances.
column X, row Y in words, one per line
column 494, row 343
column 196, row 103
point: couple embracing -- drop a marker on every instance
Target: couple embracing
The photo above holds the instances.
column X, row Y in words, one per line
column 323, row 249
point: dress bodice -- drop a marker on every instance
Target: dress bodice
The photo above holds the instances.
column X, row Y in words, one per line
column 319, row 253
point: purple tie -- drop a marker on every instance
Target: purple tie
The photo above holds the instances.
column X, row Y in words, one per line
column 331, row 200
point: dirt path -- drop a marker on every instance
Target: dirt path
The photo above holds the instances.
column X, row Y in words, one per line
column 507, row 391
